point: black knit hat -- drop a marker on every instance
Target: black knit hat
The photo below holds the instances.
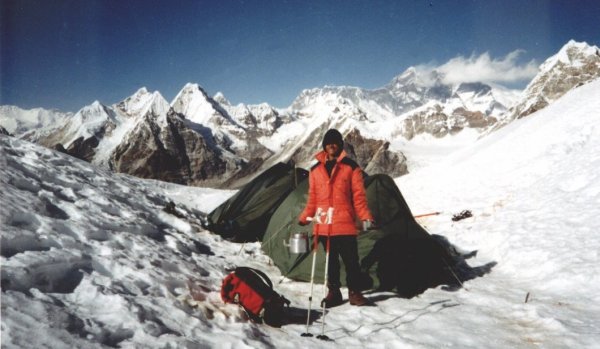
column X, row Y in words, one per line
column 333, row 136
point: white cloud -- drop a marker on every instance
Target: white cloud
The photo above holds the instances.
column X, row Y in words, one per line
column 484, row 68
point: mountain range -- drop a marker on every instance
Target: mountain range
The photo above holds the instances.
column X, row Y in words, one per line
column 201, row 140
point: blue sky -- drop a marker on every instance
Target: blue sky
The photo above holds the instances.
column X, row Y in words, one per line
column 66, row 54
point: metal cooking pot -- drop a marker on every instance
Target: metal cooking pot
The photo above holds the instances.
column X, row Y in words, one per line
column 298, row 243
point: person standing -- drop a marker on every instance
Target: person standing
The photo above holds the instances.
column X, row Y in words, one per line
column 336, row 186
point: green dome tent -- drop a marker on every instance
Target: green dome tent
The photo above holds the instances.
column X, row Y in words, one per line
column 399, row 254
column 245, row 216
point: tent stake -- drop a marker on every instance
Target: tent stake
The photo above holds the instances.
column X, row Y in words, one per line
column 241, row 249
column 427, row 214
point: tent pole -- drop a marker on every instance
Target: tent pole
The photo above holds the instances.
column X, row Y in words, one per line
column 454, row 274
column 295, row 177
column 451, row 269
column 241, row 249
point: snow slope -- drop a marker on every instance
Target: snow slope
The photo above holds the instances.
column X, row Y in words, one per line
column 91, row 260
column 534, row 188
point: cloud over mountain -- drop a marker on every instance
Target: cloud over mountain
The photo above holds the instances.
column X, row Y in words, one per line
column 485, row 68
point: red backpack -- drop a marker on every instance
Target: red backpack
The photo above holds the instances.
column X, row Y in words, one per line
column 253, row 290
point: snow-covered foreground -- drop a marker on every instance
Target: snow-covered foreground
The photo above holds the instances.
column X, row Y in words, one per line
column 90, row 259
column 534, row 189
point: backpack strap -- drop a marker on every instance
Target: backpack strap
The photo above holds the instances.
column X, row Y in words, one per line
column 245, row 270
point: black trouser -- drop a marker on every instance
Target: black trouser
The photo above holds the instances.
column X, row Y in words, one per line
column 344, row 246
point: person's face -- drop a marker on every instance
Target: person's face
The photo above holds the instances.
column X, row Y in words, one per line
column 332, row 150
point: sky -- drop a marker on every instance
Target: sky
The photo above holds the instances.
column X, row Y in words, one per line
column 67, row 54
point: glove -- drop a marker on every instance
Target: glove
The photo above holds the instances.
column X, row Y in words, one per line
column 302, row 223
column 367, row 225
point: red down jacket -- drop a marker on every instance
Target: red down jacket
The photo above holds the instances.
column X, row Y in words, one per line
column 344, row 191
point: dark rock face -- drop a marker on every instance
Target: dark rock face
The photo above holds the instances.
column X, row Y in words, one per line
column 473, row 119
column 536, row 103
column 83, row 149
column 374, row 156
column 3, row 131
column 432, row 121
column 388, row 162
column 206, row 162
column 146, row 155
column 248, row 170
column 173, row 153
column 436, row 122
column 59, row 147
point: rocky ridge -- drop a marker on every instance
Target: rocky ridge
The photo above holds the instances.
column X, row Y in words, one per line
column 576, row 64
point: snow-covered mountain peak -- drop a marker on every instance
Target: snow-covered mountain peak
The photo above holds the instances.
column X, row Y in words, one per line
column 192, row 89
column 327, row 95
column 191, row 86
column 89, row 121
column 142, row 102
column 140, row 94
column 321, row 101
column 91, row 111
column 18, row 121
column 413, row 78
column 408, row 73
column 409, row 76
column 219, row 97
column 159, row 105
column 572, row 53
column 576, row 64
column 193, row 102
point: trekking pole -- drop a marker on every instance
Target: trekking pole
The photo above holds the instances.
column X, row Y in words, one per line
column 328, row 221
column 322, row 336
column 312, row 278
column 316, row 218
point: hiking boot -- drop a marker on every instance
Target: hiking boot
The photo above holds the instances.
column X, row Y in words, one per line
column 356, row 298
column 333, row 298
